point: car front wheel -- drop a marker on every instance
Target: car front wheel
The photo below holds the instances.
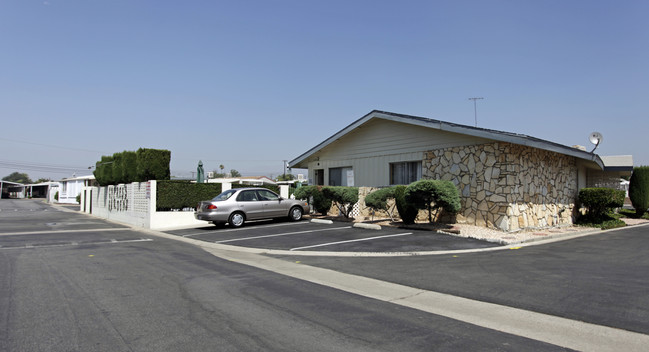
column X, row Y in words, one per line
column 295, row 214
column 237, row 219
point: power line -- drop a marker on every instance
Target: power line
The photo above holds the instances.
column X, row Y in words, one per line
column 51, row 168
column 53, row 146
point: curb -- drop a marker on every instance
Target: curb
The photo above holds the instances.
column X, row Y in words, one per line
column 361, row 225
column 322, row 221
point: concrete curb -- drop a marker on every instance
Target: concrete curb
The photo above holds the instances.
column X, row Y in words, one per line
column 322, row 221
column 362, row 225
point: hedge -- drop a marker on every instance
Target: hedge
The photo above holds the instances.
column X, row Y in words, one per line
column 313, row 195
column 184, row 194
column 343, row 197
column 639, row 189
column 433, row 195
column 407, row 211
column 600, row 200
column 379, row 200
column 129, row 166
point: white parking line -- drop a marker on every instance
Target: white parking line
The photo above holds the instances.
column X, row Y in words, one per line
column 240, row 229
column 282, row 234
column 64, row 231
column 348, row 241
column 75, row 244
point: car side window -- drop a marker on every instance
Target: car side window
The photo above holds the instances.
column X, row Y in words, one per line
column 267, row 195
column 247, row 196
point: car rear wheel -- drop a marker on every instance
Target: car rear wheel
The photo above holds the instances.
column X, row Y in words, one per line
column 295, row 214
column 237, row 219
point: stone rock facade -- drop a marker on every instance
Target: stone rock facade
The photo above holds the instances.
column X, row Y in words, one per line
column 508, row 186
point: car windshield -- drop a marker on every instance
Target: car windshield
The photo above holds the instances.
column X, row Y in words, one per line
column 225, row 195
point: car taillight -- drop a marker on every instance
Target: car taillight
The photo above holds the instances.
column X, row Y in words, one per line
column 211, row 207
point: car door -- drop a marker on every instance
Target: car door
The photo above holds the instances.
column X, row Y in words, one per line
column 248, row 202
column 273, row 206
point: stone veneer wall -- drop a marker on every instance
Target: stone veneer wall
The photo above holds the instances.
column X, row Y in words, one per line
column 508, row 186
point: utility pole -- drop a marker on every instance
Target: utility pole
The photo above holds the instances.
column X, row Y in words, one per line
column 284, row 164
column 475, row 109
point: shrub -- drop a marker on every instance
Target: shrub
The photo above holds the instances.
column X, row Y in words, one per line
column 56, row 196
column 313, row 195
column 407, row 211
column 639, row 189
column 433, row 195
column 343, row 197
column 184, row 194
column 379, row 200
column 599, row 201
column 78, row 198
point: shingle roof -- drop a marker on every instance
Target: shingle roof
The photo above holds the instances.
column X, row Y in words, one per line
column 501, row 136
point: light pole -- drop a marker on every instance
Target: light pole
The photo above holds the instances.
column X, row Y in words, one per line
column 475, row 109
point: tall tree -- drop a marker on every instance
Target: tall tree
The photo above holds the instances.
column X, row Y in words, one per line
column 18, row 177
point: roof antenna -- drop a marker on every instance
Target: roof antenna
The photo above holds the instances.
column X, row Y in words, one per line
column 596, row 138
column 475, row 109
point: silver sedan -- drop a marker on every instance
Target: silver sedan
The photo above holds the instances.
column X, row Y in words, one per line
column 236, row 206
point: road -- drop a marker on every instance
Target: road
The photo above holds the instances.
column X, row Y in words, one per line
column 69, row 282
column 601, row 279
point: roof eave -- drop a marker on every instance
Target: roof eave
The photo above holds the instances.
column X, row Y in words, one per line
column 454, row 128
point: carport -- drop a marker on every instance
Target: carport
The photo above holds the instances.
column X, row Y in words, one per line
column 11, row 190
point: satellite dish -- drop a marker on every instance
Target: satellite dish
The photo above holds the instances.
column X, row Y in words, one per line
column 595, row 138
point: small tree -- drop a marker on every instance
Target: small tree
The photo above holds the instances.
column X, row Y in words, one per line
column 639, row 189
column 313, row 195
column 378, row 200
column 343, row 197
column 235, row 173
column 433, row 195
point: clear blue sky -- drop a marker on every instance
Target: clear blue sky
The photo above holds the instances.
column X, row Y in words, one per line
column 250, row 83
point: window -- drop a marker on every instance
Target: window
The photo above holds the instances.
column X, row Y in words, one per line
column 267, row 195
column 247, row 196
column 405, row 173
column 341, row 176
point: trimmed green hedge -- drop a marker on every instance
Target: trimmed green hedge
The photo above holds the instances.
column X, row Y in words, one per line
column 378, row 200
column 600, row 200
column 344, row 197
column 639, row 189
column 407, row 211
column 434, row 195
column 320, row 203
column 184, row 194
column 127, row 166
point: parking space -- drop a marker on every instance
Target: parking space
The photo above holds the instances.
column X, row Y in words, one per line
column 337, row 237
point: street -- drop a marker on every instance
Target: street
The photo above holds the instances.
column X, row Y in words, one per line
column 71, row 282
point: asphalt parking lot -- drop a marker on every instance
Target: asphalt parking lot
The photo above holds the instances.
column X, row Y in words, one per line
column 336, row 237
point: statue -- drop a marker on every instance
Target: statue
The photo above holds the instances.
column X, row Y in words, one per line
column 200, row 177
